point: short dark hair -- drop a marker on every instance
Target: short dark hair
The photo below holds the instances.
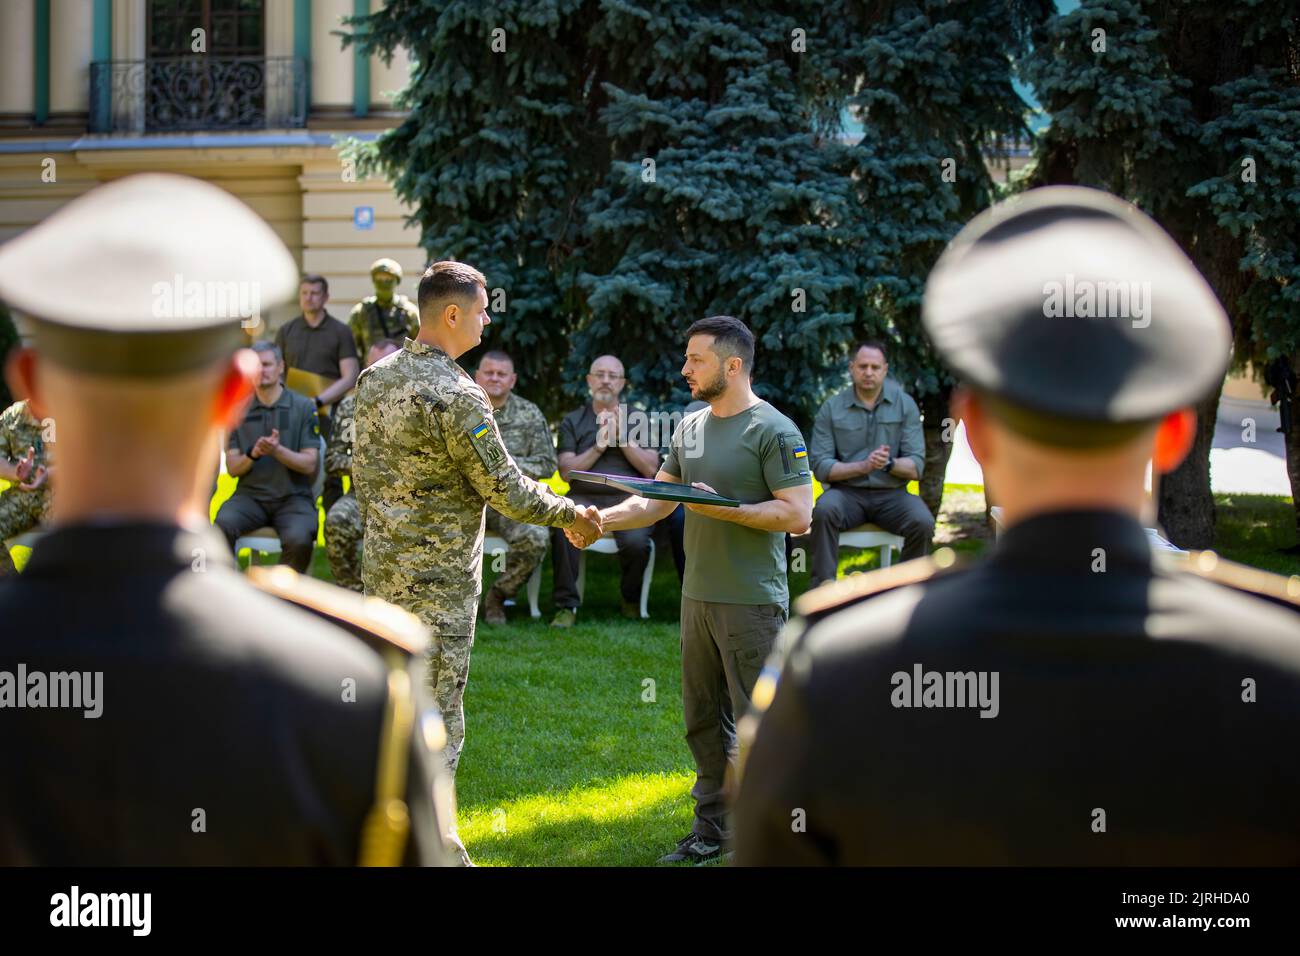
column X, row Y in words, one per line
column 448, row 280
column 314, row 279
column 876, row 344
column 497, row 355
column 264, row 346
column 730, row 337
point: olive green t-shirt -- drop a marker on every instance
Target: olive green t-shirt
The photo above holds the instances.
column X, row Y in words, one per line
column 746, row 456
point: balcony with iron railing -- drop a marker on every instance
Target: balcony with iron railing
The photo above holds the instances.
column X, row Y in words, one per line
column 196, row 93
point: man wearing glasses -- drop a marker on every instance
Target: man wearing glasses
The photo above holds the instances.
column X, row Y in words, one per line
column 592, row 438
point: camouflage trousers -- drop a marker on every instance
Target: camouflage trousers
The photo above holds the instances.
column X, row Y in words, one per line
column 343, row 537
column 20, row 511
column 527, row 543
column 448, row 675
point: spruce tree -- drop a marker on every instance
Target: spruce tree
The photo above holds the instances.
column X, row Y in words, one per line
column 1163, row 103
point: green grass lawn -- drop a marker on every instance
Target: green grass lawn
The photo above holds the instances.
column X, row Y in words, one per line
column 574, row 752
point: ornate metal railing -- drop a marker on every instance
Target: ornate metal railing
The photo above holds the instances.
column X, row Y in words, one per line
column 199, row 92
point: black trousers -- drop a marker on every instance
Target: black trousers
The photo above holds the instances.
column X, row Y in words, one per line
column 840, row 508
column 294, row 518
column 633, row 555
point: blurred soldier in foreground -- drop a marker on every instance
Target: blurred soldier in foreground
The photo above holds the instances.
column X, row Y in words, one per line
column 426, row 459
column 24, row 463
column 528, row 440
column 343, row 532
column 173, row 711
column 1079, row 698
column 386, row 314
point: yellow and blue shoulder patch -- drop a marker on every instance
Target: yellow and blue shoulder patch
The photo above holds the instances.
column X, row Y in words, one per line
column 800, row 451
column 493, row 455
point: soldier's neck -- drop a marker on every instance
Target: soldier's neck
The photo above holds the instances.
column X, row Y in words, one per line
column 168, row 485
column 499, row 403
column 382, row 301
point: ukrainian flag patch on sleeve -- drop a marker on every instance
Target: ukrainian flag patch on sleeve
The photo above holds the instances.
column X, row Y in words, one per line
column 493, row 455
column 800, row 451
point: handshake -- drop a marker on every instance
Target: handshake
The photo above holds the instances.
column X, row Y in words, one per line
column 587, row 526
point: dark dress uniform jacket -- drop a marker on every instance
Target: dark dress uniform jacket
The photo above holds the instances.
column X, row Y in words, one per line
column 1120, row 690
column 216, row 697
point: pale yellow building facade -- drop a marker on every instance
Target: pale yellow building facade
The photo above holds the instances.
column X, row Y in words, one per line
column 255, row 96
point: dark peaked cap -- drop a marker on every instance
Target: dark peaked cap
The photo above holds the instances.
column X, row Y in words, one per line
column 1077, row 314
column 148, row 275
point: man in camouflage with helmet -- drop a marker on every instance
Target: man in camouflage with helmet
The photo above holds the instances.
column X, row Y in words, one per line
column 386, row 314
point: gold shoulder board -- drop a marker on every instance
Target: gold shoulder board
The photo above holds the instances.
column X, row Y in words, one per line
column 1241, row 577
column 833, row 595
column 397, row 635
column 380, row 623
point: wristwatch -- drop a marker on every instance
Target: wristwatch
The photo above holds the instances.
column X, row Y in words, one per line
column 319, row 403
column 889, row 465
column 249, row 453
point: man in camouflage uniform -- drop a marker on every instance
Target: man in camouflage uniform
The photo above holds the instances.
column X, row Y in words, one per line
column 426, row 457
column 384, row 315
column 343, row 522
column 24, row 463
column 528, row 440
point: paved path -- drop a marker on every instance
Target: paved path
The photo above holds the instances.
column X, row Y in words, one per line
column 1236, row 465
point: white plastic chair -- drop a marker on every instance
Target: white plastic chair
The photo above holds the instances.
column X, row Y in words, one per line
column 873, row 536
column 608, row 545
column 495, row 545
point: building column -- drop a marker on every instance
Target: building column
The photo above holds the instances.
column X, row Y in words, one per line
column 17, row 60
column 360, row 67
column 41, row 63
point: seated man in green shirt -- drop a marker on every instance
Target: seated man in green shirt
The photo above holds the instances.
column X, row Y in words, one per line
column 867, row 444
column 275, row 454
column 735, row 597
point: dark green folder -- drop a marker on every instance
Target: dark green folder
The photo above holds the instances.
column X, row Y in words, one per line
column 649, row 488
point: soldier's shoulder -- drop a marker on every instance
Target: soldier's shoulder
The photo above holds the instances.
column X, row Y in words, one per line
column 361, row 306
column 385, row 628
column 527, row 409
column 1208, row 566
column 406, row 303
column 845, row 593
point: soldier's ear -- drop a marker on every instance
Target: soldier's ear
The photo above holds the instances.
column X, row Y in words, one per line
column 1175, row 436
column 236, row 389
column 20, row 371
column 966, row 407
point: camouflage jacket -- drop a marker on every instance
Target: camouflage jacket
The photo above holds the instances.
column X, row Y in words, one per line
column 527, row 436
column 369, row 323
column 426, row 458
column 18, row 432
column 338, row 452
